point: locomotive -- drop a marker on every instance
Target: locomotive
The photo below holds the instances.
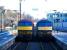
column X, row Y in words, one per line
column 25, row 29
column 44, row 28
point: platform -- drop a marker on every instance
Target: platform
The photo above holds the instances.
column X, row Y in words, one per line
column 61, row 39
column 6, row 40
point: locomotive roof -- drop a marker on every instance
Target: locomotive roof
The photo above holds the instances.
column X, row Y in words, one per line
column 44, row 21
column 24, row 20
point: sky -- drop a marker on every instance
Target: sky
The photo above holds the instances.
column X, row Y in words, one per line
column 36, row 8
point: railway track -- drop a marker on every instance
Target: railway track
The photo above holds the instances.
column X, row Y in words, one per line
column 35, row 46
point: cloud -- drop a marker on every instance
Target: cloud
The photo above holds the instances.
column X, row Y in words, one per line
column 43, row 6
column 10, row 4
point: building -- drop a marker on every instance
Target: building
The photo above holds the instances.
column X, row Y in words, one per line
column 59, row 20
column 57, row 17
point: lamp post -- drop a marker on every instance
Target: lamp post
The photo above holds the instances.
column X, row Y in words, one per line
column 2, row 18
column 20, row 8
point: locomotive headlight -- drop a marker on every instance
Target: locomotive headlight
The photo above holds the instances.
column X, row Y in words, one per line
column 29, row 33
column 49, row 33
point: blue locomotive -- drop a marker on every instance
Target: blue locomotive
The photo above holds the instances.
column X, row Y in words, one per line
column 25, row 29
column 59, row 21
column 44, row 28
